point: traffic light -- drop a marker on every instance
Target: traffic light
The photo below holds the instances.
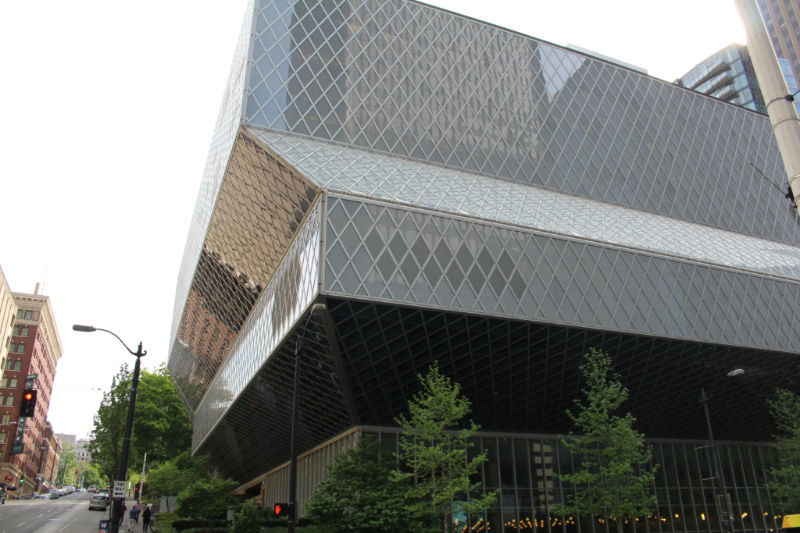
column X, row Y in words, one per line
column 21, row 479
column 28, row 402
column 281, row 509
column 9, row 478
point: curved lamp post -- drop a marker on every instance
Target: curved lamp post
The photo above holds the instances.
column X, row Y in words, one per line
column 116, row 508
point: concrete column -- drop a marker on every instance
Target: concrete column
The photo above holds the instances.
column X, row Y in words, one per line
column 785, row 124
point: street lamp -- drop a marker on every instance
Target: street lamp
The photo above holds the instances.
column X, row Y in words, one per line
column 298, row 352
column 723, row 499
column 116, row 508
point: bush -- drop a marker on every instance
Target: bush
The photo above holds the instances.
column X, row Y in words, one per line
column 200, row 525
column 206, row 499
column 249, row 519
column 164, row 522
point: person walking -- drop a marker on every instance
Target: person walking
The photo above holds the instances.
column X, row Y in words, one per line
column 134, row 516
column 148, row 511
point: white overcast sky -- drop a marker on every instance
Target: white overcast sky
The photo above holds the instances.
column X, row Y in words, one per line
column 106, row 113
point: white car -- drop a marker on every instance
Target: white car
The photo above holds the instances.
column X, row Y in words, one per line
column 42, row 496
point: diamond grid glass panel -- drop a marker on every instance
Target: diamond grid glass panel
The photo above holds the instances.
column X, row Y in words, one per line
column 258, row 212
column 291, row 290
column 222, row 141
column 491, row 202
column 638, row 293
column 524, row 375
column 415, row 81
column 454, row 191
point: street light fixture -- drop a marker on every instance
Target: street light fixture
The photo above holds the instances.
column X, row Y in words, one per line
column 116, row 508
column 298, row 352
column 723, row 498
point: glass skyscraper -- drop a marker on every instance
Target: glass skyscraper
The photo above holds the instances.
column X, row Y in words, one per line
column 457, row 192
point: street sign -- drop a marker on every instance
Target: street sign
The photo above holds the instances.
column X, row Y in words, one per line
column 119, row 489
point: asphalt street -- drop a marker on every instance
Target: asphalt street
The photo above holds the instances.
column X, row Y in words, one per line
column 68, row 514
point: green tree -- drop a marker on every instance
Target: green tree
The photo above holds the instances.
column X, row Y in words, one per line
column 248, row 519
column 91, row 476
column 433, row 452
column 170, row 477
column 614, row 478
column 105, row 445
column 207, row 498
column 784, row 479
column 360, row 493
column 67, row 464
column 160, row 428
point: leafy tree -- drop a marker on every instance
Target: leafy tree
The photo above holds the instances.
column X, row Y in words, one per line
column 785, row 478
column 360, row 493
column 614, row 478
column 105, row 445
column 91, row 476
column 433, row 451
column 248, row 519
column 160, row 428
column 170, row 477
column 67, row 463
column 207, row 498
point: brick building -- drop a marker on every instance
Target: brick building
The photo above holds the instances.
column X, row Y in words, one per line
column 33, row 354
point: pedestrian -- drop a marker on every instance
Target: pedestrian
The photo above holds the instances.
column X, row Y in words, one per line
column 148, row 511
column 132, row 521
column 4, row 494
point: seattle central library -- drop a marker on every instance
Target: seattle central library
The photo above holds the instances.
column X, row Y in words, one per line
column 453, row 191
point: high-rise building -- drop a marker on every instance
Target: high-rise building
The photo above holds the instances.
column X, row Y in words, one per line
column 782, row 18
column 727, row 75
column 452, row 191
column 8, row 313
column 51, row 450
column 33, row 355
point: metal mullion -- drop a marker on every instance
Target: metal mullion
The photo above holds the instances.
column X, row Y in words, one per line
column 514, row 477
column 690, row 486
column 755, row 455
column 703, row 488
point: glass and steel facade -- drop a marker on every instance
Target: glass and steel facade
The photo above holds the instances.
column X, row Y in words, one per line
column 729, row 75
column 524, row 469
column 458, row 192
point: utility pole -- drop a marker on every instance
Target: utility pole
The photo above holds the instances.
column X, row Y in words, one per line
column 782, row 115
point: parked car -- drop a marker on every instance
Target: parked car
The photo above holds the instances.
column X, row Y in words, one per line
column 98, row 501
column 42, row 496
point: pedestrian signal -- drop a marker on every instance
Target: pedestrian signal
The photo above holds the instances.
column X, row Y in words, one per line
column 281, row 509
column 28, row 403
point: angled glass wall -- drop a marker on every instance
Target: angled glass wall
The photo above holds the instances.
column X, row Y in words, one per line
column 411, row 80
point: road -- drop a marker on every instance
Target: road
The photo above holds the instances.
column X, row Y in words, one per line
column 68, row 514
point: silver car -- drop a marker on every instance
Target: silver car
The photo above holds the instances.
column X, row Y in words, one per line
column 98, row 501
